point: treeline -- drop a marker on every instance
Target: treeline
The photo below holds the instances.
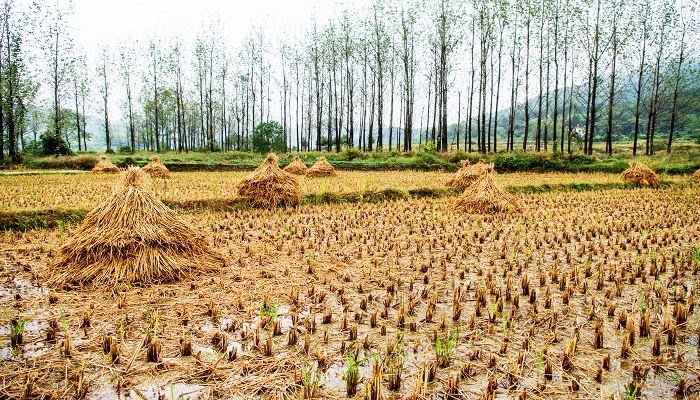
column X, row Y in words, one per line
column 481, row 76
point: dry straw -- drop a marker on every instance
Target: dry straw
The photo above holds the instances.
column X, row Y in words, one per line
column 269, row 185
column 467, row 175
column 486, row 196
column 641, row 174
column 156, row 168
column 132, row 237
column 296, row 167
column 321, row 168
column 104, row 165
column 696, row 175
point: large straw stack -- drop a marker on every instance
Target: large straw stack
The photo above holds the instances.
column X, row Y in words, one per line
column 321, row 168
column 486, row 196
column 104, row 165
column 296, row 167
column 696, row 175
column 467, row 175
column 156, row 168
column 269, row 186
column 641, row 174
column 132, row 238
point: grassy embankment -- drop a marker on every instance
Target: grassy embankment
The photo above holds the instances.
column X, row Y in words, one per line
column 684, row 159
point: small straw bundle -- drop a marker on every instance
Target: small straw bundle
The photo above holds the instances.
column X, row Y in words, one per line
column 696, row 175
column 156, row 168
column 132, row 237
column 467, row 175
column 486, row 196
column 641, row 174
column 296, row 167
column 269, row 185
column 321, row 168
column 104, row 165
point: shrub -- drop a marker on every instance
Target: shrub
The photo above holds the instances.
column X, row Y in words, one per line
column 352, row 153
column 33, row 148
column 124, row 150
column 54, row 145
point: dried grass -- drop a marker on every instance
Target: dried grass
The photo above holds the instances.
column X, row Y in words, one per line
column 321, row 168
column 296, row 167
column 156, row 168
column 486, row 196
column 696, row 175
column 269, row 186
column 641, row 174
column 132, row 237
column 467, row 175
column 106, row 166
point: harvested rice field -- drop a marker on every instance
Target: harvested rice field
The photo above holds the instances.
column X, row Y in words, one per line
column 87, row 190
column 584, row 295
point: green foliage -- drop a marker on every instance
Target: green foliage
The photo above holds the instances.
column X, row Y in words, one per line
column 54, row 145
column 427, row 155
column 352, row 375
column 351, row 153
column 268, row 310
column 427, row 147
column 124, row 150
column 16, row 329
column 33, row 148
column 268, row 136
column 310, row 382
column 444, row 346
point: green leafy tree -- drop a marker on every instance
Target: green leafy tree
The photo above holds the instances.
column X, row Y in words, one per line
column 268, row 136
column 53, row 145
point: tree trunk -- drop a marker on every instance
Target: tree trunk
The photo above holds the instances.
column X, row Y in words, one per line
column 471, row 90
column 459, row 114
column 527, row 84
column 108, row 138
column 676, row 89
column 77, row 111
column 638, row 112
column 611, row 100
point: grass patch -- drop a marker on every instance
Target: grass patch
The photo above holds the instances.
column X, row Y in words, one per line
column 39, row 219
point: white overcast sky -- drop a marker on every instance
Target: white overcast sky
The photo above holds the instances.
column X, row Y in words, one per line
column 96, row 22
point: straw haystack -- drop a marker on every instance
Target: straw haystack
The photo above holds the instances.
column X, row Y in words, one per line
column 269, row 185
column 296, row 167
column 467, row 175
column 132, row 238
column 696, row 175
column 321, row 168
column 486, row 196
column 156, row 168
column 641, row 174
column 104, row 165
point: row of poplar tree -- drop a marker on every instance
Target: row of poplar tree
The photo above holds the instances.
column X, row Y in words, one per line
column 477, row 75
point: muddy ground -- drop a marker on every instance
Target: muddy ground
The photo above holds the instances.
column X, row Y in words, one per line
column 382, row 284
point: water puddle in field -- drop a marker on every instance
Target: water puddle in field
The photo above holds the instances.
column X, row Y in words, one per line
column 6, row 354
column 35, row 350
column 20, row 288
